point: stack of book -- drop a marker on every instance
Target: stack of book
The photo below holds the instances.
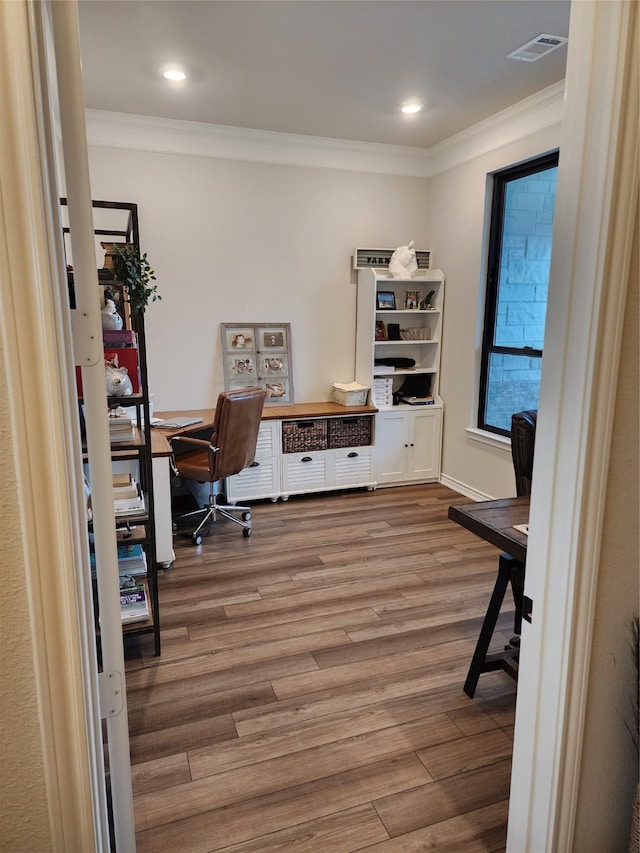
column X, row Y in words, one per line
column 382, row 391
column 134, row 606
column 132, row 560
column 127, row 497
column 120, row 425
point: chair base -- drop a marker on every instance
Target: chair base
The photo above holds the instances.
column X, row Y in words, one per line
column 210, row 515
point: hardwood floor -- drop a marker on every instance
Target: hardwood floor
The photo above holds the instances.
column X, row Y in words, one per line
column 309, row 693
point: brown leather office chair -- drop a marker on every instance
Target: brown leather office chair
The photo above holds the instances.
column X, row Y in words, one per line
column 523, row 436
column 230, row 449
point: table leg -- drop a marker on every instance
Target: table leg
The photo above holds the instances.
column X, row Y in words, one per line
column 478, row 661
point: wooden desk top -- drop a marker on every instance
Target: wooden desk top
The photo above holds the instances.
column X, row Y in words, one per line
column 279, row 413
column 160, row 437
column 493, row 521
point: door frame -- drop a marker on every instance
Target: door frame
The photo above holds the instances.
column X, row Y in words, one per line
column 592, row 240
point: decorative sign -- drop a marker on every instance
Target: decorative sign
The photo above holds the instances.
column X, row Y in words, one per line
column 379, row 258
column 259, row 354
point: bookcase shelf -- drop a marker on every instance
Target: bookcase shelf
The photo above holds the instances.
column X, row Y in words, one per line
column 133, row 454
column 408, row 437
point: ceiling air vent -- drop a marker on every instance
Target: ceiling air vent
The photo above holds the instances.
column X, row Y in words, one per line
column 537, row 48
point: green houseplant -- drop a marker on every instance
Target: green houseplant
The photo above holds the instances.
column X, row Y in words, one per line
column 134, row 271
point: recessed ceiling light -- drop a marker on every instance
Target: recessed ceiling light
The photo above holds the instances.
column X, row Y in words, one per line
column 412, row 107
column 174, row 74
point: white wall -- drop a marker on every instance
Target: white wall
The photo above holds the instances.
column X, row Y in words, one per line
column 458, row 217
column 235, row 241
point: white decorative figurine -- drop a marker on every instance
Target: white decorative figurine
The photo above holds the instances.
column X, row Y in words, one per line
column 111, row 320
column 403, row 263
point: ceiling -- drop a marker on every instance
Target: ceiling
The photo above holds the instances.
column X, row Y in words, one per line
column 328, row 68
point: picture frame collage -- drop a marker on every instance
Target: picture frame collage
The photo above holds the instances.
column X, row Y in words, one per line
column 259, row 354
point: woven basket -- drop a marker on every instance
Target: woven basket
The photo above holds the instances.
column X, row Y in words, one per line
column 349, row 432
column 302, row 436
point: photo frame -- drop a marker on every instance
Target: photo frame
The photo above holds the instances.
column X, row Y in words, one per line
column 386, row 300
column 259, row 354
column 412, row 300
column 381, row 332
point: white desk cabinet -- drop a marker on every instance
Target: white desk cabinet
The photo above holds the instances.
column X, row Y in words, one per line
column 323, row 470
column 408, row 445
column 262, row 479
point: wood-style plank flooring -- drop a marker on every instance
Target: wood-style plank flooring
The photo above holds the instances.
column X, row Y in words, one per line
column 309, row 693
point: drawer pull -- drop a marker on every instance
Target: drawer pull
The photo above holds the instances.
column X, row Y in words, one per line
column 352, row 455
column 254, row 465
column 307, row 459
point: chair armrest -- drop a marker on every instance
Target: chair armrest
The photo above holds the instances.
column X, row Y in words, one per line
column 195, row 442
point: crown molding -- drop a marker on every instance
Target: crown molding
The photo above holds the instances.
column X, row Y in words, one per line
column 539, row 111
column 172, row 136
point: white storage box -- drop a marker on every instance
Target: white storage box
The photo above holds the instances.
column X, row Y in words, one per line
column 351, row 394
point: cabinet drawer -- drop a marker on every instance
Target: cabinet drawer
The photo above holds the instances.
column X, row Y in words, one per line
column 260, row 480
column 304, row 472
column 353, row 467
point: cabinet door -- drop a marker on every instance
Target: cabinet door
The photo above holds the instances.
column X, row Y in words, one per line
column 392, row 444
column 262, row 479
column 424, row 445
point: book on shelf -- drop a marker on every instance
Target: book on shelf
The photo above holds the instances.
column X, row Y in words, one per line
column 417, row 401
column 132, row 559
column 129, row 506
column 119, row 338
column 134, row 606
column 383, row 368
column 123, row 489
column 132, row 562
column 120, row 425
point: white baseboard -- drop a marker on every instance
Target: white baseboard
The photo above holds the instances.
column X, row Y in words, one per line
column 463, row 489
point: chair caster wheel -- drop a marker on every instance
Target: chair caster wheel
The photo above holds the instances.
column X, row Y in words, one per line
column 246, row 516
column 196, row 539
column 246, row 532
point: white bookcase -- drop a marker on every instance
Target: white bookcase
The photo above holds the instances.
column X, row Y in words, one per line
column 408, row 438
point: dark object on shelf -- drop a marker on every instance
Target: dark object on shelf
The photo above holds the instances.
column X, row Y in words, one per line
column 302, row 436
column 396, row 362
column 231, row 449
column 415, row 386
column 393, row 331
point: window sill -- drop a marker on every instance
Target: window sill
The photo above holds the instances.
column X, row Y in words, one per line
column 502, row 442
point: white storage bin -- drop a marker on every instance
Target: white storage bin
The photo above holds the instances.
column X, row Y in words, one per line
column 350, row 395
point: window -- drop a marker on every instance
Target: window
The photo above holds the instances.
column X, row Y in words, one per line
column 516, row 298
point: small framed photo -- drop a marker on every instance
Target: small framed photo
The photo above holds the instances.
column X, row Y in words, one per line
column 272, row 365
column 242, row 366
column 272, row 338
column 240, row 339
column 386, row 300
column 412, row 300
column 381, row 332
column 277, row 391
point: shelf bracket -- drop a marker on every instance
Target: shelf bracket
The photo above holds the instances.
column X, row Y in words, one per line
column 110, row 689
